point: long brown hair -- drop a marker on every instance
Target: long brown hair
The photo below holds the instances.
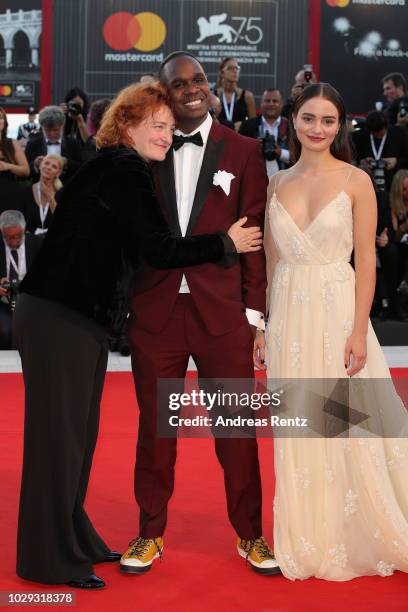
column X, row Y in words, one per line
column 396, row 201
column 129, row 108
column 340, row 147
column 6, row 144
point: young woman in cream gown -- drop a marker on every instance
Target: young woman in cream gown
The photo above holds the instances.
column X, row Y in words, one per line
column 341, row 504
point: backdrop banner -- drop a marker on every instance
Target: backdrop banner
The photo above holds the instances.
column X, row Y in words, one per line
column 20, row 31
column 360, row 42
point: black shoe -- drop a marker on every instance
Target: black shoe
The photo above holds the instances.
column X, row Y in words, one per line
column 112, row 556
column 90, row 582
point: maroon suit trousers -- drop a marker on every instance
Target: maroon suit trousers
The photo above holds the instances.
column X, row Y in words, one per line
column 166, row 355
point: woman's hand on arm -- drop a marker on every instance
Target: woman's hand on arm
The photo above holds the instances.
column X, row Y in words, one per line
column 245, row 239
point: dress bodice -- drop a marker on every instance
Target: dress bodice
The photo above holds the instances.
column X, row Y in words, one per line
column 328, row 238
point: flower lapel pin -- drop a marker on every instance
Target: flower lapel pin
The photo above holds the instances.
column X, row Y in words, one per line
column 223, row 179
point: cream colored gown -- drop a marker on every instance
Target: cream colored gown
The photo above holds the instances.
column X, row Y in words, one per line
column 341, row 505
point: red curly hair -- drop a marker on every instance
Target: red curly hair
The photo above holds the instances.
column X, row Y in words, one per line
column 133, row 104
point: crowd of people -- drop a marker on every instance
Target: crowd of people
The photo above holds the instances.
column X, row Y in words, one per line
column 47, row 153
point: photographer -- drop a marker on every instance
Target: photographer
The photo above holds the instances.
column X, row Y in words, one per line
column 272, row 130
column 384, row 147
column 76, row 108
column 51, row 141
column 17, row 252
column 303, row 77
column 395, row 92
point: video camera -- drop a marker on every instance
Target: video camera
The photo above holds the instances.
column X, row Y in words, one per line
column 269, row 146
column 12, row 287
column 378, row 168
column 74, row 109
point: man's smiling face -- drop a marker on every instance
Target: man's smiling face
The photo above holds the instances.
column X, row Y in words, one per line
column 188, row 89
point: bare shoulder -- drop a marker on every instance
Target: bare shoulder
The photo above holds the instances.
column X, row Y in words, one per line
column 362, row 192
column 360, row 182
column 274, row 181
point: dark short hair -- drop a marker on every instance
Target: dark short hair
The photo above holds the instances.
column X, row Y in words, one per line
column 397, row 78
column 272, row 89
column 376, row 121
column 173, row 56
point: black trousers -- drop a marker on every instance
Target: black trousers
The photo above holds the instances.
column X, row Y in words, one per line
column 5, row 327
column 64, row 357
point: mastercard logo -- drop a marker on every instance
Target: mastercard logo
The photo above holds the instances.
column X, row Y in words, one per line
column 5, row 90
column 144, row 31
column 338, row 3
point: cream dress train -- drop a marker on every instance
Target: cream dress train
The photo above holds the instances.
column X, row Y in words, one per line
column 341, row 505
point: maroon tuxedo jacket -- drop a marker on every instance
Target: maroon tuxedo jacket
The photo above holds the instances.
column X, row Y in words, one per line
column 221, row 294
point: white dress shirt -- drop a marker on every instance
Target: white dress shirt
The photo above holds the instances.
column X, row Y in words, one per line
column 188, row 160
column 54, row 149
column 272, row 167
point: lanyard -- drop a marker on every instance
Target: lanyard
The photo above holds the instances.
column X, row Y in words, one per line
column 43, row 209
column 377, row 152
column 13, row 262
column 228, row 108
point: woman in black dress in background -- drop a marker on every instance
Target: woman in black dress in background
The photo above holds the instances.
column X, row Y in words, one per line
column 237, row 104
column 38, row 201
column 13, row 164
column 106, row 215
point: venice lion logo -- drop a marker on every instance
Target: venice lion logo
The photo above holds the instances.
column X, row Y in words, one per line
column 214, row 26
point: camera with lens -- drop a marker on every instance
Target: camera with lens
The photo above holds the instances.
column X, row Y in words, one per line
column 378, row 168
column 12, row 287
column 269, row 146
column 308, row 73
column 74, row 109
column 403, row 107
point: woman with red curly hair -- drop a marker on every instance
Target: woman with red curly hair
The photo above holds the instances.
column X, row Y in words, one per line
column 107, row 221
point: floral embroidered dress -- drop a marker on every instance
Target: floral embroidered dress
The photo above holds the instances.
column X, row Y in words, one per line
column 341, row 505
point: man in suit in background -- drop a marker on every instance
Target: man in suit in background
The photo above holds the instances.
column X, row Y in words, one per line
column 17, row 252
column 51, row 141
column 272, row 129
column 208, row 312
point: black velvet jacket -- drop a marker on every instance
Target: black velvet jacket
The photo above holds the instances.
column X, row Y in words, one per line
column 106, row 220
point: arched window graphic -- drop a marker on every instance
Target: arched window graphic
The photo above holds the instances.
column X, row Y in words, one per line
column 21, row 52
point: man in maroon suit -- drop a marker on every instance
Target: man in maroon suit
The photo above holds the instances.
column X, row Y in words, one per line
column 209, row 312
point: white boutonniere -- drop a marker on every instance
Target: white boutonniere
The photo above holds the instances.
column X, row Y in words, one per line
column 223, row 179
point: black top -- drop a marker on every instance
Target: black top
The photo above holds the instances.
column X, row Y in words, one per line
column 240, row 111
column 107, row 217
column 31, row 211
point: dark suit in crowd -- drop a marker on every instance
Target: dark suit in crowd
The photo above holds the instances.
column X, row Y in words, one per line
column 396, row 145
column 32, row 247
column 70, row 148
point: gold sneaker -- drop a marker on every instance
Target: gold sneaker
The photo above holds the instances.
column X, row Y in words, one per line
column 259, row 555
column 140, row 555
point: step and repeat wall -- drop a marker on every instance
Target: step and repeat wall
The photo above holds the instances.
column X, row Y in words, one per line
column 20, row 40
column 102, row 45
column 360, row 42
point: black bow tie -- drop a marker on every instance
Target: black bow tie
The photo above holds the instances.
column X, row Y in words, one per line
column 179, row 141
column 53, row 142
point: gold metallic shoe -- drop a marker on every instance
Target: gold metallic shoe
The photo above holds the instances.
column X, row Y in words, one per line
column 140, row 555
column 259, row 555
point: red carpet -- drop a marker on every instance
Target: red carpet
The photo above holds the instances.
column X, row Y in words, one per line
column 200, row 569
